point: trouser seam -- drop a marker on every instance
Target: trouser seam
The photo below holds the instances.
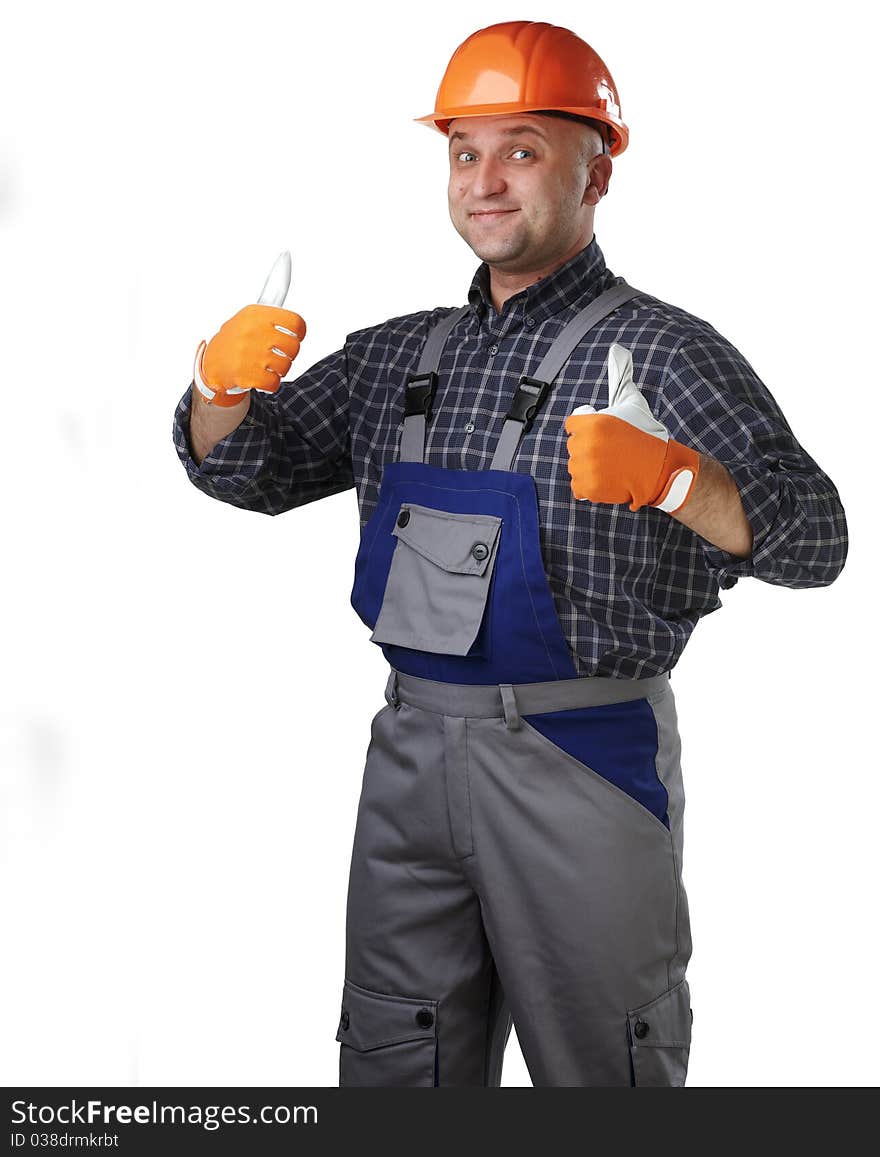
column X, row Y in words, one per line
column 487, row 1046
column 676, row 874
column 467, row 788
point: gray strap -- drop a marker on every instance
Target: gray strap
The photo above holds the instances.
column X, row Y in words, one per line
column 433, row 347
column 508, row 440
column 590, row 315
column 556, row 357
column 412, row 441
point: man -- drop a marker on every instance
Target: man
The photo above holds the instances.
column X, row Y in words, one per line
column 532, row 575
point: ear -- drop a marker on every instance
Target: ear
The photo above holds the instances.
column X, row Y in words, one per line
column 600, row 177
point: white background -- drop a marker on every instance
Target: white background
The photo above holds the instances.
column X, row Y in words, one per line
column 186, row 691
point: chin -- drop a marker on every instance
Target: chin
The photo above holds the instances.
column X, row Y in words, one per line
column 496, row 254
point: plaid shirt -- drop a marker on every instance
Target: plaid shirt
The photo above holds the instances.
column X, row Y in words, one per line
column 628, row 587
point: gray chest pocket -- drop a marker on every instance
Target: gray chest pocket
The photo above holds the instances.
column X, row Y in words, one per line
column 438, row 585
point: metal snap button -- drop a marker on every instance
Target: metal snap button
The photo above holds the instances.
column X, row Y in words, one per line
column 479, row 550
column 403, row 518
column 493, row 349
column 424, row 1018
column 469, row 428
column 642, row 1028
column 344, row 1022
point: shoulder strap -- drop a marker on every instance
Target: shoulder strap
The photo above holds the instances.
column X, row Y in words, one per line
column 532, row 391
column 421, row 386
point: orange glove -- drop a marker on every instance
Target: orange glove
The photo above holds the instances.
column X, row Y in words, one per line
column 255, row 348
column 623, row 453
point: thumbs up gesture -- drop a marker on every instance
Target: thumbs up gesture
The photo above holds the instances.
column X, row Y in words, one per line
column 623, row 453
column 255, row 348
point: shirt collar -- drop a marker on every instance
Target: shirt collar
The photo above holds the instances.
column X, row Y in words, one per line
column 575, row 283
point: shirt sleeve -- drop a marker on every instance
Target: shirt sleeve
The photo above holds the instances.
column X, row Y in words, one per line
column 292, row 447
column 713, row 401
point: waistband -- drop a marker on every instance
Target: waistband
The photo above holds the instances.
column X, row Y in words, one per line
column 486, row 701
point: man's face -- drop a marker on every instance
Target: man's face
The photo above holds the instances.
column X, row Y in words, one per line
column 519, row 188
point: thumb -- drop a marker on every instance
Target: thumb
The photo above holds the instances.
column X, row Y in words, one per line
column 627, row 400
column 278, row 282
column 621, row 387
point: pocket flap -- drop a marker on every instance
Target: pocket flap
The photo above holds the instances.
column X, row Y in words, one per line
column 664, row 1022
column 461, row 543
column 370, row 1020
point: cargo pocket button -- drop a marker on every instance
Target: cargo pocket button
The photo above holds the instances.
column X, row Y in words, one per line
column 424, row 1018
column 642, row 1029
column 344, row 1020
column 479, row 550
column 403, row 518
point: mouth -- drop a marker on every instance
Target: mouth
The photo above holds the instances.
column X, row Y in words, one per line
column 491, row 214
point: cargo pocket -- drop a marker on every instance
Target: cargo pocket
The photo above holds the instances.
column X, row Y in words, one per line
column 386, row 1040
column 660, row 1038
column 438, row 585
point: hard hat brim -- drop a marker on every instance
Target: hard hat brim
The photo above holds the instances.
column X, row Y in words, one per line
column 440, row 119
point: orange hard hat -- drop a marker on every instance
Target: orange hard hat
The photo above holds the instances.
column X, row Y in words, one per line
column 522, row 66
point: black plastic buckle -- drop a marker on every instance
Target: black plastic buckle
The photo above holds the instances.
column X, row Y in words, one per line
column 420, row 390
column 530, row 393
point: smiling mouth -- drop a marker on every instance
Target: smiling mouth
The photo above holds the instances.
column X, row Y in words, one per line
column 493, row 212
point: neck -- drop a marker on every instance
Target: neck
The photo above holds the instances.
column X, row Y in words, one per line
column 504, row 284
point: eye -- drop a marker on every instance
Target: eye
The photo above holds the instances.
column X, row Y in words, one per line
column 529, row 151
column 465, row 154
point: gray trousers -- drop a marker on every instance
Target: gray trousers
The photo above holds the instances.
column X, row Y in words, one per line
column 497, row 879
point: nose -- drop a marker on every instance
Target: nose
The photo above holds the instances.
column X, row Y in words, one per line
column 488, row 178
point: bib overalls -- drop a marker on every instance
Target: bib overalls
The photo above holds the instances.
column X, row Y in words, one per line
column 517, row 853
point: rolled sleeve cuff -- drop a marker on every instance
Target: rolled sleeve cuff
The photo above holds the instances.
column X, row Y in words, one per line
column 760, row 494
column 233, row 463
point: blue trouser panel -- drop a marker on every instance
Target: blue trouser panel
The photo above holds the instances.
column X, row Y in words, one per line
column 618, row 741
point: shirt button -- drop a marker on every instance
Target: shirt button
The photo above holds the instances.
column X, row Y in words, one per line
column 469, row 428
column 424, row 1018
column 642, row 1029
column 493, row 349
column 530, row 321
column 479, row 550
column 403, row 518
